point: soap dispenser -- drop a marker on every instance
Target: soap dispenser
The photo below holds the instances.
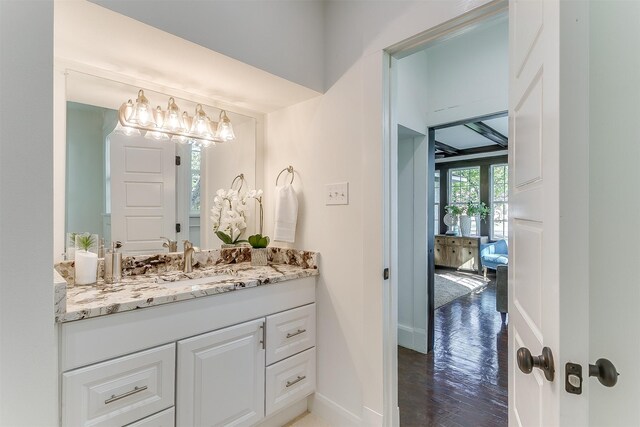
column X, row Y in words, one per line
column 113, row 264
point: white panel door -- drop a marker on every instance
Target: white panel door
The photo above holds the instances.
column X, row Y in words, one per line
column 548, row 224
column 143, row 201
column 221, row 377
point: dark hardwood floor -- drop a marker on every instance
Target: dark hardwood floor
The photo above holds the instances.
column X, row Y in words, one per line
column 463, row 382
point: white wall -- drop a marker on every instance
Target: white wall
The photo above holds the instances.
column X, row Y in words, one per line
column 28, row 386
column 412, row 242
column 85, row 169
column 614, row 153
column 282, row 37
column 412, row 95
column 468, row 76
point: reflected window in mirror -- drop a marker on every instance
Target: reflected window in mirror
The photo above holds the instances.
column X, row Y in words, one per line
column 194, row 206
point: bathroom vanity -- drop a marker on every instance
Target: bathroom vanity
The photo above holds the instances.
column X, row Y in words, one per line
column 228, row 344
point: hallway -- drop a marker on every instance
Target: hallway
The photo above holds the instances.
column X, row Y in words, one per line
column 463, row 382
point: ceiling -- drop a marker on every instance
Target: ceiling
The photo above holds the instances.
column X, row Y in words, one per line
column 476, row 136
column 95, row 41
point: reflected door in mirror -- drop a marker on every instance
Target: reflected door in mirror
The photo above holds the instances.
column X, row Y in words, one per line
column 143, row 205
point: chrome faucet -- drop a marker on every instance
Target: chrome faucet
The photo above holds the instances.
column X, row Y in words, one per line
column 189, row 249
column 172, row 245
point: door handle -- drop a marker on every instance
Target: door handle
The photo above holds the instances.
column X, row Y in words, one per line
column 605, row 371
column 526, row 362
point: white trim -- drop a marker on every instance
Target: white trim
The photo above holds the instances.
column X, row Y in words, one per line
column 390, row 246
column 333, row 413
column 473, row 156
column 491, row 200
column 285, row 415
column 412, row 338
column 371, row 418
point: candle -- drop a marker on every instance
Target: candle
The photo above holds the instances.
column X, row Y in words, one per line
column 86, row 267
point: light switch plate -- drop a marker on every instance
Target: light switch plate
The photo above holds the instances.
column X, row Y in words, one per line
column 336, row 194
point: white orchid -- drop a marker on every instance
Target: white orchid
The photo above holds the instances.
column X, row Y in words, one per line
column 228, row 215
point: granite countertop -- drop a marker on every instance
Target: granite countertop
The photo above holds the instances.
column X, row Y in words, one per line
column 153, row 280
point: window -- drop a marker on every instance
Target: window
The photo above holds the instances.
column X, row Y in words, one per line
column 464, row 187
column 196, row 158
column 499, row 201
column 436, row 203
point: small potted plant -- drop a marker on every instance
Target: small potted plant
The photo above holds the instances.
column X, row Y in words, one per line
column 259, row 245
column 86, row 262
column 258, row 242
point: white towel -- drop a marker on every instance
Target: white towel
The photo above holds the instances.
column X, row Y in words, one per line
column 286, row 214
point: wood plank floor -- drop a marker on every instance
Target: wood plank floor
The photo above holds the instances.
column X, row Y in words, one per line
column 463, row 382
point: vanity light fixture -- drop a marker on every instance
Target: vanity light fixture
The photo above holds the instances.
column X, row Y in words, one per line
column 171, row 125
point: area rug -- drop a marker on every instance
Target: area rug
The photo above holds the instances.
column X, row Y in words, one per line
column 449, row 286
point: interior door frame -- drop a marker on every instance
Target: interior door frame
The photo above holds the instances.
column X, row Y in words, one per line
column 461, row 24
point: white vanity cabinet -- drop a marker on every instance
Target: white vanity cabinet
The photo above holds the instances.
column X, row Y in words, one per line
column 232, row 359
column 120, row 391
column 221, row 377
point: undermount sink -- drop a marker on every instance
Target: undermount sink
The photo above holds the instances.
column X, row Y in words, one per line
column 199, row 281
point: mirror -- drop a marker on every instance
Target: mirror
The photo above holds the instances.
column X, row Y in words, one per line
column 131, row 188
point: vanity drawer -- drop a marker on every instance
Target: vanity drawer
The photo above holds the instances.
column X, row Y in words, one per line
column 439, row 240
column 161, row 419
column 119, row 391
column 290, row 332
column 290, row 380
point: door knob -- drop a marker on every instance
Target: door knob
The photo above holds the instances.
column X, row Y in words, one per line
column 605, row 371
column 526, row 362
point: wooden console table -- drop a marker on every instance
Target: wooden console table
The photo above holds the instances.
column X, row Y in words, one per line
column 458, row 252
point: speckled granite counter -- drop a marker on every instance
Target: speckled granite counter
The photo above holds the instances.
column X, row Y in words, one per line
column 153, row 280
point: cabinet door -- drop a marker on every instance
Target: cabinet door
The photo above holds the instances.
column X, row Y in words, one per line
column 454, row 256
column 440, row 255
column 221, row 377
column 468, row 258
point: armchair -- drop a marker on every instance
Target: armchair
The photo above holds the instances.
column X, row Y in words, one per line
column 494, row 254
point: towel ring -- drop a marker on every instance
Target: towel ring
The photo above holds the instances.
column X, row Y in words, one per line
column 238, row 178
column 289, row 170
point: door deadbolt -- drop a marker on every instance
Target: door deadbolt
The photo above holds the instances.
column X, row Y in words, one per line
column 526, row 362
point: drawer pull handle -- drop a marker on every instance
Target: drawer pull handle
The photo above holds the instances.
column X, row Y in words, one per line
column 297, row 380
column 113, row 397
column 298, row 332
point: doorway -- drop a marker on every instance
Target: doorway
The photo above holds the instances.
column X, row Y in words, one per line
column 444, row 366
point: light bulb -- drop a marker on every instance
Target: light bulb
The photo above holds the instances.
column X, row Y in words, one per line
column 200, row 124
column 225, row 130
column 126, row 130
column 158, row 136
column 173, row 120
column 180, row 139
column 142, row 112
column 158, row 117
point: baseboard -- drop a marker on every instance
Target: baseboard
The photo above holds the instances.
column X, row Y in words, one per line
column 371, row 418
column 287, row 414
column 333, row 413
column 412, row 338
column 396, row 417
